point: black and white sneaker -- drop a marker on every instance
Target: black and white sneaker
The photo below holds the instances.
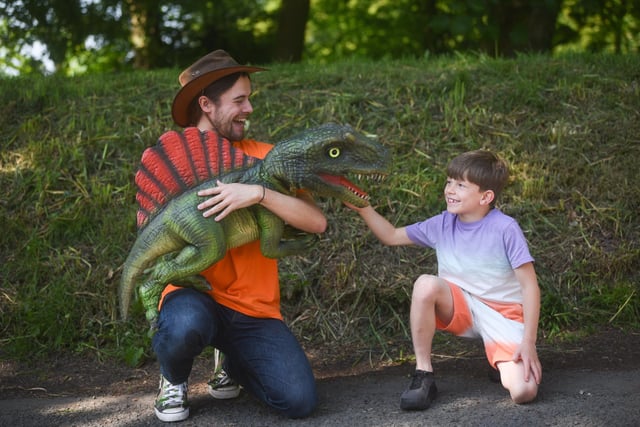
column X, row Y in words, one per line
column 172, row 403
column 222, row 386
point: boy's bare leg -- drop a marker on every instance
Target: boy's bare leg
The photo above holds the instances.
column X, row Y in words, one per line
column 431, row 296
column 512, row 378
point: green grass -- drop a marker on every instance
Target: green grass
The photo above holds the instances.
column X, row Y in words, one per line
column 569, row 127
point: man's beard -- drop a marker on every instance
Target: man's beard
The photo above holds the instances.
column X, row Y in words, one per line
column 228, row 129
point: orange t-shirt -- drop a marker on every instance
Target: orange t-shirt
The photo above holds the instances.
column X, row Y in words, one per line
column 245, row 280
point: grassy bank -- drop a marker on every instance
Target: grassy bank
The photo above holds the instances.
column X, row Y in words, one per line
column 568, row 126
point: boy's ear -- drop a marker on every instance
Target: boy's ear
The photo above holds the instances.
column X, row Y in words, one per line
column 487, row 197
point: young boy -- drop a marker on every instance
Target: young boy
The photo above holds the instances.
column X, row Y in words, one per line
column 486, row 284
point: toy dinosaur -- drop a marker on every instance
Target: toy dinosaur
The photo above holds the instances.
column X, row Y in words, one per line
column 175, row 242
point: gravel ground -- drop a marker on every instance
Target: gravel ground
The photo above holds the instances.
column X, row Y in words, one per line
column 593, row 383
column 567, row 398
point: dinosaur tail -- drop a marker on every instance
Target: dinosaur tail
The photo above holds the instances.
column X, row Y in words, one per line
column 142, row 255
column 125, row 291
column 131, row 271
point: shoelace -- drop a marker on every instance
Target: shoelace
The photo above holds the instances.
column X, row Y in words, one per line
column 417, row 379
column 173, row 394
column 217, row 360
column 222, row 379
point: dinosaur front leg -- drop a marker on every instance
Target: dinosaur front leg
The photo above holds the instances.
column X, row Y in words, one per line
column 196, row 282
column 150, row 293
column 278, row 240
column 159, row 276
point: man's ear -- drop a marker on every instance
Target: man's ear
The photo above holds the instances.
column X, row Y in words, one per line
column 205, row 104
column 487, row 197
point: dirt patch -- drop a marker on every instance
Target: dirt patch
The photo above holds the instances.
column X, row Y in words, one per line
column 69, row 375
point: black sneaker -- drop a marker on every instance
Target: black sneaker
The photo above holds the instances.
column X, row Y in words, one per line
column 421, row 392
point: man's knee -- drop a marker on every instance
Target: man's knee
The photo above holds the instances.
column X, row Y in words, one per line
column 301, row 408
column 296, row 403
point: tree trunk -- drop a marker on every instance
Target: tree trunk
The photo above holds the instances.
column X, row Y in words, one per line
column 522, row 26
column 145, row 22
column 292, row 22
column 430, row 42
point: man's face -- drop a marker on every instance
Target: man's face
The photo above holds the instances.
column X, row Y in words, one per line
column 229, row 114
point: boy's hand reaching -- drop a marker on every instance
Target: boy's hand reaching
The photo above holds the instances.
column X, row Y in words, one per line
column 386, row 232
column 352, row 207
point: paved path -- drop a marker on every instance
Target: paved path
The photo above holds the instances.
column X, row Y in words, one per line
column 567, row 398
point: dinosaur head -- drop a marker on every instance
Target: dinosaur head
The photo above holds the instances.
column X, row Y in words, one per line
column 325, row 160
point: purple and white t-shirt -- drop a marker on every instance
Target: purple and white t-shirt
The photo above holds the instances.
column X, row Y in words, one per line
column 477, row 256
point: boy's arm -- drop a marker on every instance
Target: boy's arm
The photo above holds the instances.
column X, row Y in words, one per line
column 386, row 232
column 526, row 275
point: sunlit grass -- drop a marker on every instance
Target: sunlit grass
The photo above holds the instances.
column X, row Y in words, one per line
column 568, row 126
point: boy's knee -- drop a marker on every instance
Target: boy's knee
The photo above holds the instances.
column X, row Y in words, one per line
column 426, row 286
column 425, row 283
column 524, row 392
column 426, row 280
column 512, row 377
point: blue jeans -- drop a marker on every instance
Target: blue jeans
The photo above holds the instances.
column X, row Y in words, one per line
column 262, row 355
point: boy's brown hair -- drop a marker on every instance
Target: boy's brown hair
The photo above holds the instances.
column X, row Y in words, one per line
column 481, row 167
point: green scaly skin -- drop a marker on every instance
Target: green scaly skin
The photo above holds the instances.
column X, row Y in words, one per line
column 179, row 243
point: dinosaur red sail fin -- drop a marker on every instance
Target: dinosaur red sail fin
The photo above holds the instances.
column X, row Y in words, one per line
column 180, row 161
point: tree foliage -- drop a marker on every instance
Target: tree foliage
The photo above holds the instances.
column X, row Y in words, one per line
column 104, row 35
column 601, row 25
column 68, row 29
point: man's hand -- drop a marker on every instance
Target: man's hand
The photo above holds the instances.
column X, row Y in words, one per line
column 226, row 198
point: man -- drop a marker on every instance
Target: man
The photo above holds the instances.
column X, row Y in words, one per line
column 240, row 316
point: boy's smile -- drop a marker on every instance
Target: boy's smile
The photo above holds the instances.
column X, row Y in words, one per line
column 466, row 200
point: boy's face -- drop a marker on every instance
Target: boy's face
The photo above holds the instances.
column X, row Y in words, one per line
column 229, row 114
column 466, row 200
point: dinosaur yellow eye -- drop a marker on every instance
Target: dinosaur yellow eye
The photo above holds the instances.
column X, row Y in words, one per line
column 334, row 152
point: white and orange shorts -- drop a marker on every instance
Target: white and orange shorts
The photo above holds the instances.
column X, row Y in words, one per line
column 500, row 325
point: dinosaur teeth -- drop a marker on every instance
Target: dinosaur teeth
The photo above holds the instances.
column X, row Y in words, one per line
column 344, row 182
column 363, row 196
column 374, row 177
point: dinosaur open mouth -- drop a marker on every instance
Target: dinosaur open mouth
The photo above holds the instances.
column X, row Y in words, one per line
column 344, row 182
